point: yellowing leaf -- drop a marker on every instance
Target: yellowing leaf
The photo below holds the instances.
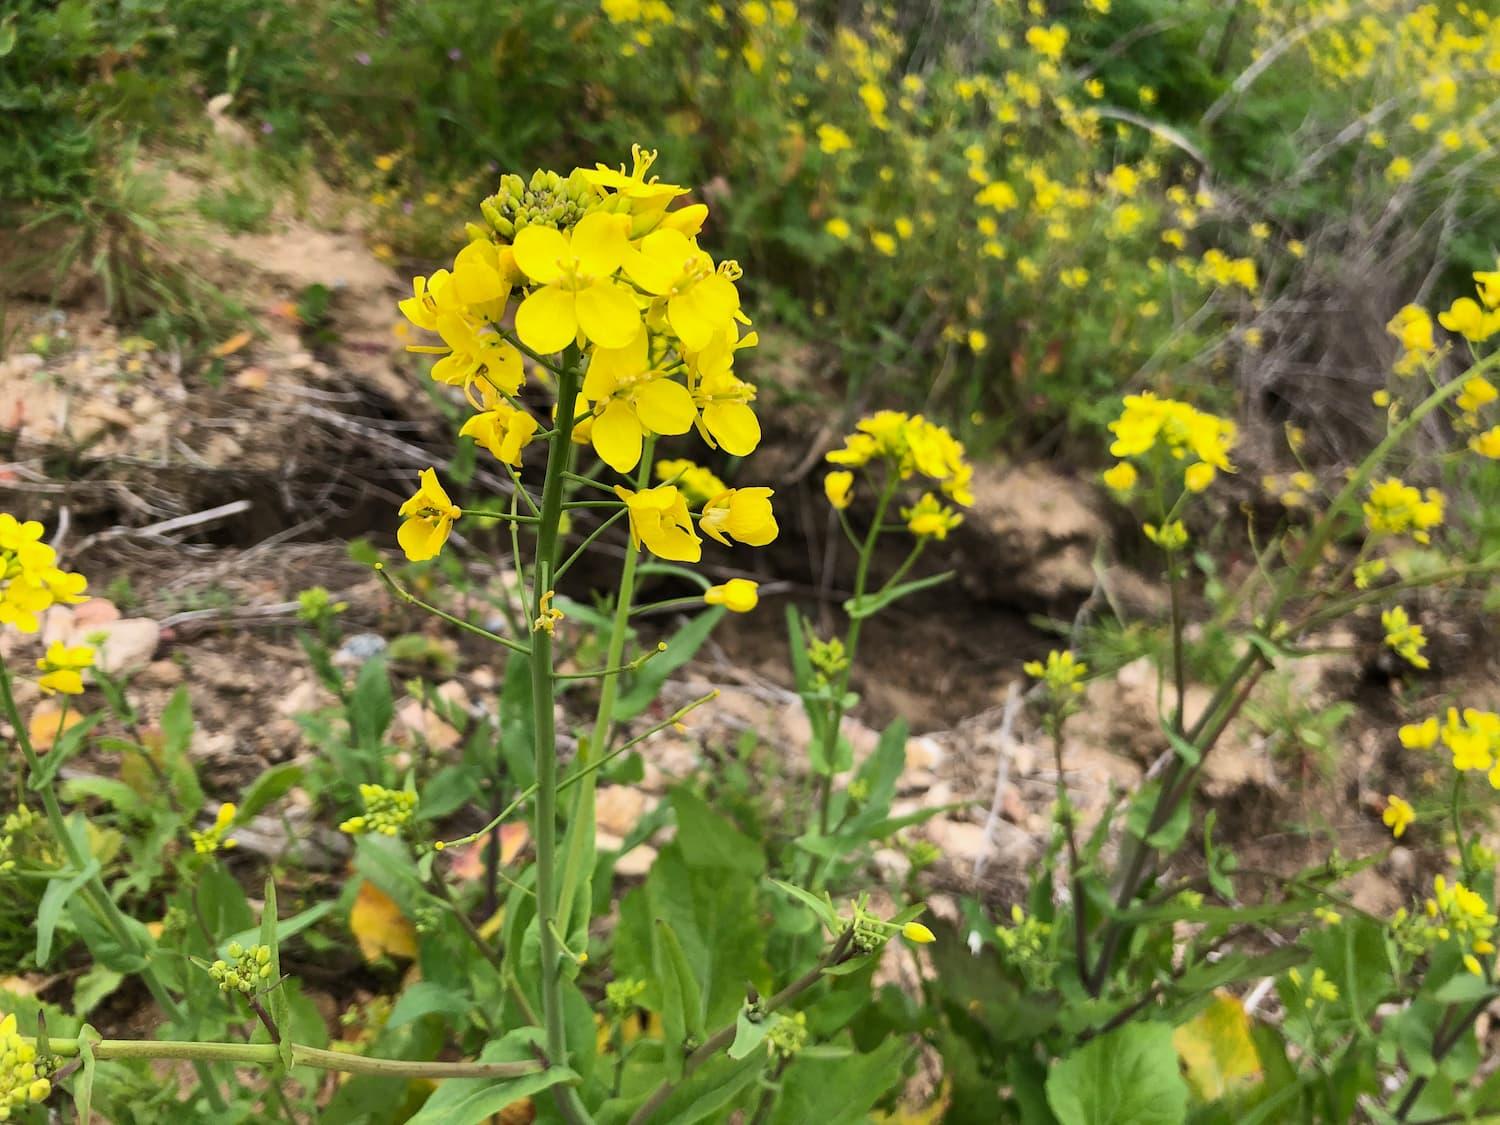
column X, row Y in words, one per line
column 1216, row 1048
column 231, row 345
column 379, row 926
column 47, row 723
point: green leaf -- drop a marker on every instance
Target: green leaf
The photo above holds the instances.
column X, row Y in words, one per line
column 1184, row 749
column 466, row 1101
column 370, row 705
column 748, row 1035
column 708, row 840
column 54, row 898
column 1128, row 1076
column 427, row 998
column 646, row 682
column 93, row 986
column 822, row 907
column 838, row 1091
column 1463, row 988
column 83, row 1085
column 679, row 987
column 870, row 604
column 276, row 996
column 273, row 784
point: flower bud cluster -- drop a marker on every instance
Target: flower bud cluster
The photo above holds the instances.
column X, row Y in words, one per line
column 249, row 973
column 548, row 200
column 388, row 812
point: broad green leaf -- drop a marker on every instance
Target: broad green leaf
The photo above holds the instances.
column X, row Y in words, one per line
column 467, row 1101
column 839, row 1091
column 708, row 840
column 1216, row 1048
column 54, row 898
column 1128, row 1076
column 424, row 999
column 682, row 1011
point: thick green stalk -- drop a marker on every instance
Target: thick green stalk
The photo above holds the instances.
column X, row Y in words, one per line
column 543, row 701
column 580, row 850
column 94, row 889
column 266, row 1054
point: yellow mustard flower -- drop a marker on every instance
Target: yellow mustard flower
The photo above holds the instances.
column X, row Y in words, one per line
column 216, row 836
column 1420, row 736
column 743, row 514
column 917, row 933
column 695, row 482
column 738, row 595
column 1062, row 672
column 428, row 517
column 930, row 518
column 1120, row 478
column 701, row 300
column 630, row 399
column 1398, row 815
column 839, row 228
column 1394, row 508
column 1403, row 637
column 62, row 668
column 838, row 486
column 832, row 139
column 1169, row 537
column 577, row 293
column 659, row 520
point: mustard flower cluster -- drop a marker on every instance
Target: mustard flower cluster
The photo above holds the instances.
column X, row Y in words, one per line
column 1404, row 638
column 248, row 972
column 30, row 579
column 15, row 830
column 1472, row 736
column 1398, row 815
column 908, row 445
column 1149, row 426
column 602, row 266
column 1026, row 942
column 216, row 837
column 1062, row 673
column 23, row 1078
column 1395, row 508
column 1453, row 912
column 388, row 812
column 62, row 668
column 1315, row 990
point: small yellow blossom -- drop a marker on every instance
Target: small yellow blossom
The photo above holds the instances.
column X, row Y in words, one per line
column 1403, row 637
column 1169, row 537
column 659, row 520
column 1398, row 815
column 62, row 668
column 838, row 486
column 917, row 933
column 427, row 518
column 1120, row 478
column 213, row 838
column 1420, row 736
column 1062, row 672
column 738, row 595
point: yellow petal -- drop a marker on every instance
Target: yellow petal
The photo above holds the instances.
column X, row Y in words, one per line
column 665, row 407
column 422, row 539
column 599, row 242
column 617, row 437
column 476, row 274
column 547, row 320
column 608, row 314
column 540, row 252
column 734, row 426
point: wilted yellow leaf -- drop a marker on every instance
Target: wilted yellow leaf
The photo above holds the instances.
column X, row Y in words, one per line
column 379, row 926
column 1216, row 1048
column 47, row 723
column 231, row 345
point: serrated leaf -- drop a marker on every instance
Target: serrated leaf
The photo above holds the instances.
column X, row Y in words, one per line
column 1216, row 1048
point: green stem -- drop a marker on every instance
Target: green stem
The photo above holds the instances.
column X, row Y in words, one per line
column 266, row 1054
column 581, row 819
column 94, row 889
column 468, row 626
column 543, row 701
column 851, row 644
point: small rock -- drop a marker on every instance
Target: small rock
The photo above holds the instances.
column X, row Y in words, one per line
column 162, row 673
column 892, row 863
column 427, row 725
column 358, row 649
column 95, row 612
column 636, row 863
column 619, row 808
column 124, row 646
column 304, row 697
